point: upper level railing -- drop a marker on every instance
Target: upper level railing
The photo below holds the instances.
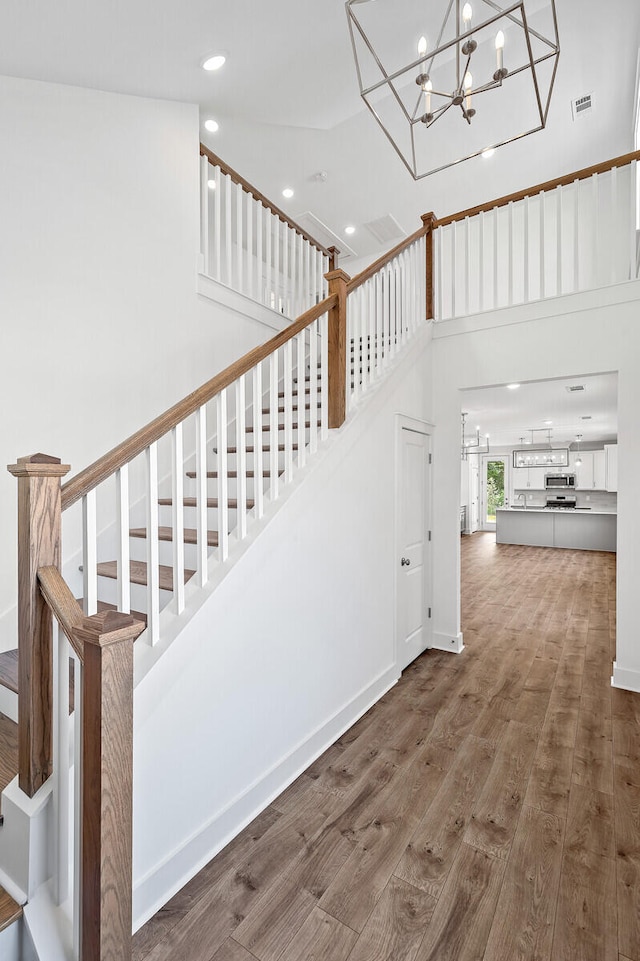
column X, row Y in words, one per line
column 250, row 245
column 575, row 233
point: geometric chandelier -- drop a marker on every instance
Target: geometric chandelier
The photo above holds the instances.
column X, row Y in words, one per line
column 435, row 75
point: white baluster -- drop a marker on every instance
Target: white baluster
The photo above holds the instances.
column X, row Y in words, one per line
column 314, row 276
column 495, row 258
column 227, row 228
column 542, row 248
column 385, row 292
column 438, row 247
column 354, row 342
column 372, row 347
column 204, row 214
column 405, row 260
column 313, row 391
column 78, row 712
column 300, row 275
column 293, row 270
column 558, row 241
column 380, row 346
column 286, row 283
column 241, row 458
column 596, row 231
column 153, row 560
column 510, row 253
column 89, row 554
column 223, row 476
column 525, row 249
column 302, row 414
column 288, row 412
column 258, row 492
column 308, row 290
column 177, row 516
column 324, row 387
column 276, row 264
column 633, row 219
column 268, row 259
column 61, row 799
column 274, row 416
column 259, row 260
column 217, row 224
column 393, row 290
column 239, row 238
column 576, row 238
column 454, row 276
column 612, row 243
column 123, row 559
column 202, row 525
column 481, row 261
column 250, row 204
column 467, row 264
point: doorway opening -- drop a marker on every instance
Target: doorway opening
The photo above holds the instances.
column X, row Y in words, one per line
column 493, row 494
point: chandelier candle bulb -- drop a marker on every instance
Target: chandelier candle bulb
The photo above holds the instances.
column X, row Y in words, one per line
column 428, row 87
column 499, row 49
column 468, row 83
column 467, row 13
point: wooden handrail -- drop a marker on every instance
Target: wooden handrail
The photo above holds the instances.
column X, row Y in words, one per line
column 62, row 604
column 381, row 262
column 583, row 174
column 257, row 195
column 105, row 466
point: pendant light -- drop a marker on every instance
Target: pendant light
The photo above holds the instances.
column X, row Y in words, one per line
column 578, row 461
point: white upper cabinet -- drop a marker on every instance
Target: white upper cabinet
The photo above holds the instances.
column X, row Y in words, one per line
column 591, row 473
column 611, row 467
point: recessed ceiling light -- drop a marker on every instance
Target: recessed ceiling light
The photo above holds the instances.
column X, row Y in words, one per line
column 212, row 126
column 349, row 230
column 211, row 184
column 547, row 423
column 489, row 152
column 214, row 63
column 512, row 386
column 288, row 193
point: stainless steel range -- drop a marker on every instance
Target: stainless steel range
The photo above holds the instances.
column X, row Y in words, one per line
column 562, row 502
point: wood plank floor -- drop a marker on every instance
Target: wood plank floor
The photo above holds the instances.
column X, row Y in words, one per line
column 487, row 808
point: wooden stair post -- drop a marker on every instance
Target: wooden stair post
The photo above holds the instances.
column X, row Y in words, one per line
column 107, row 785
column 39, row 523
column 337, row 373
column 430, row 221
column 334, row 253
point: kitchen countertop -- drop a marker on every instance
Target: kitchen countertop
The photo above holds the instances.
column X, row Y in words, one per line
column 588, row 511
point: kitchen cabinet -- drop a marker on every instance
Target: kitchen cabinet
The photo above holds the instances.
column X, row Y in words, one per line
column 611, row 466
column 591, row 473
column 529, row 478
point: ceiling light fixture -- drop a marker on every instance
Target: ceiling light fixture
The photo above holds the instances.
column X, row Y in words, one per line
column 214, row 63
column 488, row 153
column 211, row 125
column 512, row 386
column 578, row 461
column 288, row 193
column 473, row 446
column 211, row 184
column 349, row 230
column 477, row 49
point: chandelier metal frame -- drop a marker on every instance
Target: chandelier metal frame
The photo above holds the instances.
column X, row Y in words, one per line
column 463, row 45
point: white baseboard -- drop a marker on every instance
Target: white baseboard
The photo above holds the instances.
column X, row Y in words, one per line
column 625, row 679
column 445, row 642
column 166, row 878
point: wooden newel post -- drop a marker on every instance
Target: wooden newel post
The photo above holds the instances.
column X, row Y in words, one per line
column 334, row 253
column 39, row 523
column 107, row 785
column 430, row 221
column 337, row 280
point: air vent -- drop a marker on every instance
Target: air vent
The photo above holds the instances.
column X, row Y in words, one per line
column 582, row 106
column 586, row 417
column 324, row 235
column 574, row 388
column 385, row 229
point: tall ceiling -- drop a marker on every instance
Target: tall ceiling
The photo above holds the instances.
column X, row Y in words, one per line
column 287, row 98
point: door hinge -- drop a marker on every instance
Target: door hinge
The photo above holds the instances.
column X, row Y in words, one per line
column 429, row 612
column 429, row 535
column 430, row 458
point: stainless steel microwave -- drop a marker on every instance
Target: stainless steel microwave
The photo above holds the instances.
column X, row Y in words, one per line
column 560, row 481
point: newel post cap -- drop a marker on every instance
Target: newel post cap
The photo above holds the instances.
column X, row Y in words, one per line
column 430, row 219
column 39, row 465
column 108, row 627
column 337, row 274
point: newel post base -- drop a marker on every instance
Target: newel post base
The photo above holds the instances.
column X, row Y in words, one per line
column 430, row 221
column 39, row 527
column 337, row 374
column 107, row 785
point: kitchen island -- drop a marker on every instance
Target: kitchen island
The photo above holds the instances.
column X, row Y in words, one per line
column 578, row 529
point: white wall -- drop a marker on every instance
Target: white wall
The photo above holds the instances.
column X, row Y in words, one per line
column 296, row 642
column 572, row 336
column 101, row 326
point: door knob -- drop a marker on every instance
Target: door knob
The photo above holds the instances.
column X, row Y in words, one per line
column 405, row 562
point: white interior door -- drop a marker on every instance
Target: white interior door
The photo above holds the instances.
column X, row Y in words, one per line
column 413, row 574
